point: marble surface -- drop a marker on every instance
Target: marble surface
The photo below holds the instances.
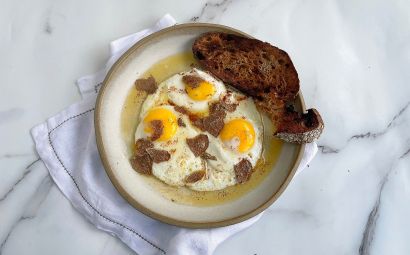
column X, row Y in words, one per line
column 352, row 58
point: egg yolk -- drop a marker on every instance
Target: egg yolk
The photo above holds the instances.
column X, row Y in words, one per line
column 168, row 119
column 239, row 129
column 204, row 91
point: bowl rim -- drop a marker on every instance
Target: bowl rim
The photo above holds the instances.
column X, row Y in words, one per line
column 110, row 171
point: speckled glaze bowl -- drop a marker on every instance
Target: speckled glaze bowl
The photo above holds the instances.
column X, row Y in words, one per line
column 113, row 150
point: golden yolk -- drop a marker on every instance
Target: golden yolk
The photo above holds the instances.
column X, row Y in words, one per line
column 204, row 91
column 168, row 119
column 240, row 129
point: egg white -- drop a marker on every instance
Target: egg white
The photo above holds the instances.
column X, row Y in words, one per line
column 178, row 95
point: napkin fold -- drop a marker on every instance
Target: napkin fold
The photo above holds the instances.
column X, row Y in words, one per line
column 66, row 144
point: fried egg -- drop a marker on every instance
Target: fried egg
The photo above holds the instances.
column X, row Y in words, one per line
column 173, row 139
column 194, row 99
column 240, row 138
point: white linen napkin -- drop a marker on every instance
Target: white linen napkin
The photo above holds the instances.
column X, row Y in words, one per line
column 66, row 144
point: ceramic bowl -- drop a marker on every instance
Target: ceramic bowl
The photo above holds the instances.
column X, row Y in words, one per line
column 113, row 149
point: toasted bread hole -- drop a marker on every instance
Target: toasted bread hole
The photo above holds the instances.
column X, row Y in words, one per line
column 228, row 70
column 308, row 122
column 281, row 61
column 266, row 56
column 199, row 55
column 287, row 65
column 259, row 98
column 309, row 118
column 229, row 38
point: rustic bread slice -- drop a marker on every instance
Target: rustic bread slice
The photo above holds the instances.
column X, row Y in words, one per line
column 266, row 73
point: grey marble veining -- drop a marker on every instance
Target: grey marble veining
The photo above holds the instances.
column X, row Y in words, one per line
column 211, row 11
column 352, row 58
column 369, row 230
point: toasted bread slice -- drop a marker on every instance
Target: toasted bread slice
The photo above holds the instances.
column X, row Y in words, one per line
column 264, row 72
